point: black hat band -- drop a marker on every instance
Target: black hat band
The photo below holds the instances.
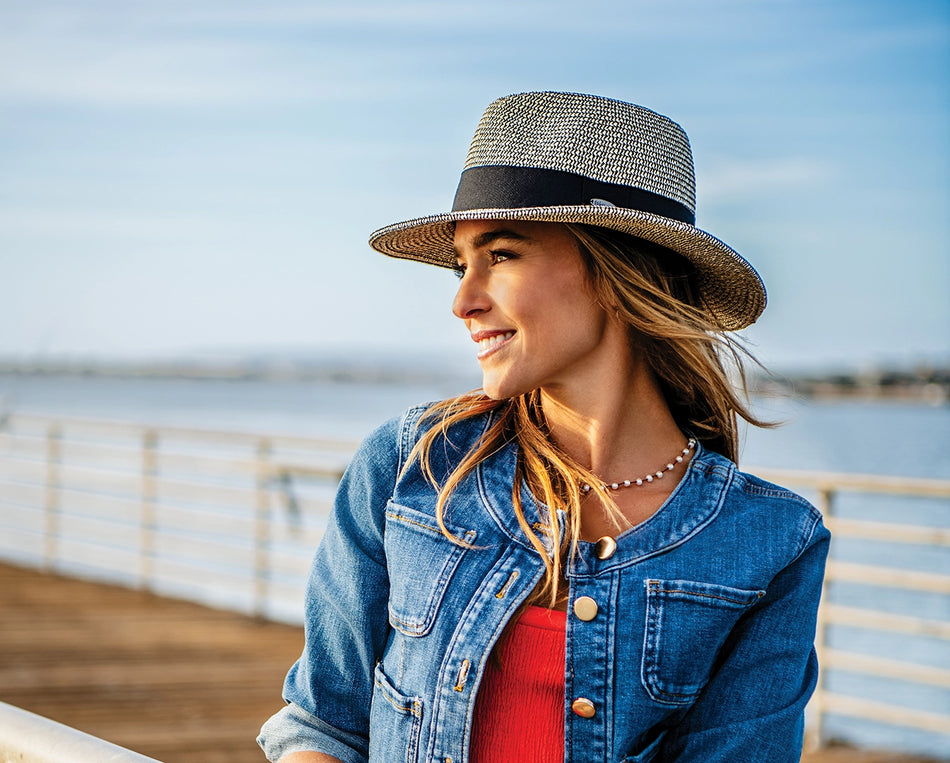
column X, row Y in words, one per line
column 506, row 187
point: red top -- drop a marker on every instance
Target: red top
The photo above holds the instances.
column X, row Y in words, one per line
column 519, row 709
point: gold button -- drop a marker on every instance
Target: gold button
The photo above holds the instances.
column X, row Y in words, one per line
column 605, row 547
column 583, row 707
column 585, row 608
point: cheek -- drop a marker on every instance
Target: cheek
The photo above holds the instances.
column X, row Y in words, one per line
column 568, row 327
column 581, row 309
column 591, row 324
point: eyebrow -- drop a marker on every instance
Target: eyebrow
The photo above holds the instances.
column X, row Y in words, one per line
column 490, row 236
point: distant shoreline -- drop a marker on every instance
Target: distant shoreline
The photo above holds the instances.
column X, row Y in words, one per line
column 929, row 385
column 331, row 371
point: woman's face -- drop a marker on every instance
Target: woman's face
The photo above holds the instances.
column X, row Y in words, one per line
column 525, row 299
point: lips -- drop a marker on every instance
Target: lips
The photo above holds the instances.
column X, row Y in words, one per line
column 489, row 341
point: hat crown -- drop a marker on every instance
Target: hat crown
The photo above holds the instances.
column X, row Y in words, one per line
column 599, row 138
column 578, row 159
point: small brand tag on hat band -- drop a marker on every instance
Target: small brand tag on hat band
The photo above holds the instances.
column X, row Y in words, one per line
column 505, row 187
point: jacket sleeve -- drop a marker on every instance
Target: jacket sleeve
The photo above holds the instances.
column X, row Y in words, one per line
column 752, row 709
column 328, row 690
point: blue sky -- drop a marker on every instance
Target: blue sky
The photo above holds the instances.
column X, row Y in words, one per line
column 200, row 178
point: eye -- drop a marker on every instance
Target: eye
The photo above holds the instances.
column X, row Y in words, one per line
column 459, row 270
column 500, row 256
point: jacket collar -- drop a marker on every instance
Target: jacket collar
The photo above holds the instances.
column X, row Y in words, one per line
column 693, row 504
column 496, row 475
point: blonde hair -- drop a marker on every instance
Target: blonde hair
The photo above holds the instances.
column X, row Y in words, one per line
column 698, row 367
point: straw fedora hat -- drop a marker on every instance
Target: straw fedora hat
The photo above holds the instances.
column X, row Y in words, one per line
column 574, row 158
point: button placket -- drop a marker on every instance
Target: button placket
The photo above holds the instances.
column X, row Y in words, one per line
column 590, row 635
column 585, row 609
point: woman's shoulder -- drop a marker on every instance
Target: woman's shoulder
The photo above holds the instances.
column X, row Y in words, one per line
column 388, row 457
column 399, row 434
column 761, row 504
column 392, row 441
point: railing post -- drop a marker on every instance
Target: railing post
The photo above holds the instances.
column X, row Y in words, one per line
column 262, row 528
column 815, row 737
column 147, row 519
column 54, row 456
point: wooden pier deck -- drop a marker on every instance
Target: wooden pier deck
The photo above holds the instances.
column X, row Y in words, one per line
column 173, row 680
column 165, row 678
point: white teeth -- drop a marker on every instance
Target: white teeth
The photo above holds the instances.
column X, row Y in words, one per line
column 489, row 342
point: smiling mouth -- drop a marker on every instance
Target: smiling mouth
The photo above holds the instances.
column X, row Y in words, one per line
column 487, row 345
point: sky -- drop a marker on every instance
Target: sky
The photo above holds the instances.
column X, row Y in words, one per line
column 198, row 179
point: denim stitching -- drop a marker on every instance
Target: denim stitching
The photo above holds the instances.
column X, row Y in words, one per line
column 421, row 625
column 413, row 706
column 651, row 679
column 654, row 589
column 504, row 589
column 423, row 525
column 462, row 676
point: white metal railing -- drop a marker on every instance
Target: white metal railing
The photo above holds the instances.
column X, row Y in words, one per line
column 225, row 518
column 35, row 739
column 233, row 519
column 828, row 488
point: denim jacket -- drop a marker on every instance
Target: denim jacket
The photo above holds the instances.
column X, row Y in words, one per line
column 700, row 648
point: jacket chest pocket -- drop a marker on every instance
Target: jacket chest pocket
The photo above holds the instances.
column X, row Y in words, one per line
column 421, row 562
column 686, row 625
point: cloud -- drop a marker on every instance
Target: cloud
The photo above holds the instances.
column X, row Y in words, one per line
column 173, row 72
column 213, row 52
column 728, row 180
column 207, row 54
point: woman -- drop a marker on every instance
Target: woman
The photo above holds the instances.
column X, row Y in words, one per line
column 566, row 565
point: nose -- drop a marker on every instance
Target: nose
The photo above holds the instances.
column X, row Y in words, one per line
column 470, row 299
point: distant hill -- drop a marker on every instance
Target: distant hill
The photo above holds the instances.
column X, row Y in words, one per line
column 930, row 384
column 926, row 384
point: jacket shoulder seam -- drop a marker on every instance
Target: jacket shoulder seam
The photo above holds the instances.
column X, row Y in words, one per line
column 409, row 434
column 753, row 485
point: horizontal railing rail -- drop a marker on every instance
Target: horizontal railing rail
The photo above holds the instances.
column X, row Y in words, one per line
column 828, row 488
column 232, row 519
column 226, row 518
column 34, row 739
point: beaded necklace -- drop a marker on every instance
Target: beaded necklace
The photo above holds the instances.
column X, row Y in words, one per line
column 585, row 488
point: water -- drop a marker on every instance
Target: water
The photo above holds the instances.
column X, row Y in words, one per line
column 889, row 438
column 323, row 409
column 902, row 439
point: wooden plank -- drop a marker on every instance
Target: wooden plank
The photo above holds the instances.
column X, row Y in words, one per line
column 169, row 679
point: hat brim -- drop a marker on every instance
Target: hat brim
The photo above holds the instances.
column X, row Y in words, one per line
column 732, row 291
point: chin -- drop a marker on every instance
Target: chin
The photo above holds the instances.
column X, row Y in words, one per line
column 500, row 390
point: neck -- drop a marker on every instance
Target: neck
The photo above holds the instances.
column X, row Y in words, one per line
column 617, row 425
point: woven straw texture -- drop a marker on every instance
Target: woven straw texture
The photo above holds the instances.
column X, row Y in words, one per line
column 599, row 138
column 605, row 140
